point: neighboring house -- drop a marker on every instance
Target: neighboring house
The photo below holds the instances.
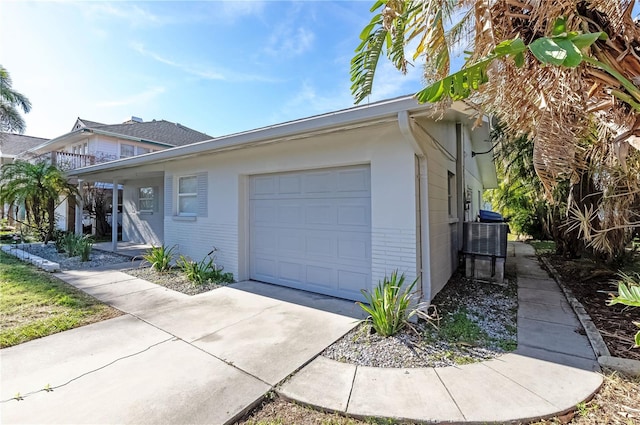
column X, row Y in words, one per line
column 11, row 146
column 328, row 204
column 91, row 142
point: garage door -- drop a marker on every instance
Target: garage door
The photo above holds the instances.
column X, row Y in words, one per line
column 311, row 230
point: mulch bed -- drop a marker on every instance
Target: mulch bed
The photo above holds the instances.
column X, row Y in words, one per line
column 591, row 283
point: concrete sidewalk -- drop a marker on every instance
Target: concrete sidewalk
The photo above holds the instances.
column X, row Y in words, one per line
column 173, row 358
column 552, row 370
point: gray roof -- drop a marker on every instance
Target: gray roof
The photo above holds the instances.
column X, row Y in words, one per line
column 89, row 124
column 161, row 131
column 14, row 144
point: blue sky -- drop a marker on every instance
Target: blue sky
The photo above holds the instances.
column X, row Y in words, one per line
column 217, row 67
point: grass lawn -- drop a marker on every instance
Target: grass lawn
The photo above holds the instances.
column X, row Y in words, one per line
column 34, row 304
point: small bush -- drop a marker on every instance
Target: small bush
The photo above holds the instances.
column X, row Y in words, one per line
column 388, row 305
column 83, row 248
column 205, row 270
column 74, row 245
column 160, row 257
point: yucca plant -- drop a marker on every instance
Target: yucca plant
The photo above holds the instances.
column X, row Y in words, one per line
column 69, row 244
column 159, row 257
column 83, row 248
column 388, row 305
column 628, row 294
column 197, row 272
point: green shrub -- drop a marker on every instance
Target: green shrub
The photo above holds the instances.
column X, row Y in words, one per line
column 159, row 257
column 388, row 304
column 205, row 270
column 69, row 243
column 83, row 248
column 74, row 245
column 629, row 294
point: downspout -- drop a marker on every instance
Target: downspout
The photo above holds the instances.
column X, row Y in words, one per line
column 425, row 254
column 461, row 192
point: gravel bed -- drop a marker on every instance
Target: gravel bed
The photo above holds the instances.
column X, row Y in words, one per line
column 491, row 308
column 172, row 279
column 97, row 258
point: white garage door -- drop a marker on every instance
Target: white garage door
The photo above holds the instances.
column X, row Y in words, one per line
column 311, row 230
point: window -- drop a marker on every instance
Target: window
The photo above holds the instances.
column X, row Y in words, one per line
column 142, row 151
column 145, row 199
column 451, row 187
column 188, row 195
column 126, row 150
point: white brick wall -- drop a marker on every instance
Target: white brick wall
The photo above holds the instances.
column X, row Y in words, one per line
column 391, row 249
column 196, row 238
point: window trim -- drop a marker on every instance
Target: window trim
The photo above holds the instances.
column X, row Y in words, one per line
column 127, row 156
column 185, row 195
column 152, row 199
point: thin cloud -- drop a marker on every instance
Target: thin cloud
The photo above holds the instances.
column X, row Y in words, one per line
column 134, row 14
column 287, row 41
column 143, row 97
column 207, row 73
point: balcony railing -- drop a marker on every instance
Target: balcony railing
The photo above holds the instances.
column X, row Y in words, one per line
column 68, row 161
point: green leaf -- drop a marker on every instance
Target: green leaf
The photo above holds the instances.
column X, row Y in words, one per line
column 510, row 47
column 574, row 57
column 519, row 59
column 547, row 51
column 559, row 26
column 585, row 40
column 627, row 295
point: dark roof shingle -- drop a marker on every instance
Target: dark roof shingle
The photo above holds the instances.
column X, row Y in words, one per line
column 154, row 131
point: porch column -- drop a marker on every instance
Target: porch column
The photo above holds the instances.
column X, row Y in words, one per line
column 79, row 208
column 114, row 216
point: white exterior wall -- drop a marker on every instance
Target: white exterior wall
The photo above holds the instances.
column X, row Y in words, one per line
column 393, row 217
column 143, row 227
column 61, row 215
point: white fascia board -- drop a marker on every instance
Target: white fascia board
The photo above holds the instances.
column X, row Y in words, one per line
column 85, row 132
column 293, row 129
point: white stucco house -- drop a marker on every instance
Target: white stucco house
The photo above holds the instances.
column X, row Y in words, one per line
column 328, row 204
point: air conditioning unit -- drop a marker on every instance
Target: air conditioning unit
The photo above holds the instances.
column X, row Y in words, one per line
column 486, row 239
column 485, row 250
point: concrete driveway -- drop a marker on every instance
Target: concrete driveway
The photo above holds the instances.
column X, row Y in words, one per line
column 173, row 359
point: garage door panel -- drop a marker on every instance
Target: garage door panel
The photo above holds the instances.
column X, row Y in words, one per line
column 353, row 215
column 312, row 230
column 320, row 214
column 291, row 271
column 290, row 184
column 289, row 213
column 264, row 185
column 321, row 244
column 264, row 212
column 321, row 277
column 319, row 182
column 354, row 181
column 353, row 249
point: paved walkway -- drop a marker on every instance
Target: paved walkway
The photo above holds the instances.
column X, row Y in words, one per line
column 173, row 359
column 211, row 357
column 549, row 373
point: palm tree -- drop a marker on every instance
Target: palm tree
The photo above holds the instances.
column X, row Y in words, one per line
column 10, row 102
column 553, row 70
column 39, row 188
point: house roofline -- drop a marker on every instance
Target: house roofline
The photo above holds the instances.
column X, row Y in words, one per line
column 384, row 110
column 82, row 131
